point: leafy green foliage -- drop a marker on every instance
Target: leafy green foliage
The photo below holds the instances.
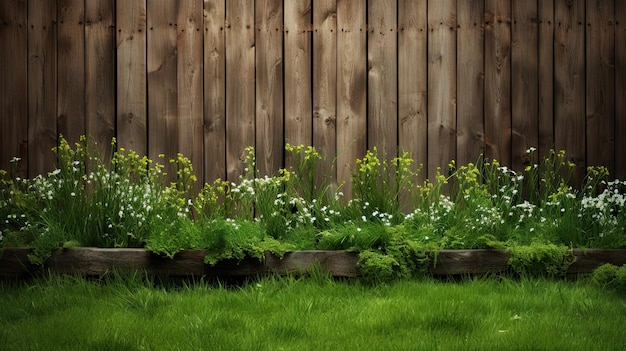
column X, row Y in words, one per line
column 540, row 259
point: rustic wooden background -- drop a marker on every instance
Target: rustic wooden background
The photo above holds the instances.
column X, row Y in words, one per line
column 443, row 79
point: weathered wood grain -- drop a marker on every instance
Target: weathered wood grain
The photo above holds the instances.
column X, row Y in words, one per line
column 470, row 142
column 569, row 82
column 600, row 84
column 132, row 95
column 620, row 89
column 71, row 70
column 189, row 77
column 524, row 85
column 545, row 116
column 498, row 81
column 441, row 85
column 42, row 87
column 382, row 90
column 14, row 90
column 325, row 88
column 270, row 123
column 100, row 74
column 412, row 81
column 214, row 90
column 240, row 110
column 298, row 79
column 351, row 88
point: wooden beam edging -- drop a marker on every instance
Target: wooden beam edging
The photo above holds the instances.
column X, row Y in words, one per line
column 87, row 261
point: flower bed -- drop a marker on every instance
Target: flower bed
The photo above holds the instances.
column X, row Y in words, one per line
column 397, row 226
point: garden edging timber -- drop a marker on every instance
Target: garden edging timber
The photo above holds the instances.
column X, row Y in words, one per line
column 91, row 261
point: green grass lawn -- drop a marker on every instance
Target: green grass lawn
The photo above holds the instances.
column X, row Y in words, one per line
column 67, row 313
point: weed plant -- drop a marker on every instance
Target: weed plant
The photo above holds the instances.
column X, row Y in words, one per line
column 391, row 219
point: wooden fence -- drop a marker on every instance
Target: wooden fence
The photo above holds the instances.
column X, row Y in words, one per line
column 442, row 79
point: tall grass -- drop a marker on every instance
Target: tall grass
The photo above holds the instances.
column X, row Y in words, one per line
column 65, row 313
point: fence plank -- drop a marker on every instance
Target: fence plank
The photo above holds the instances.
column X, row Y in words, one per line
column 545, row 117
column 189, row 81
column 351, row 88
column 470, row 81
column 412, row 81
column 132, row 108
column 71, row 69
column 569, row 82
column 441, row 85
column 620, row 89
column 100, row 73
column 239, row 84
column 382, row 98
column 524, row 72
column 214, row 90
column 325, row 87
column 498, row 81
column 42, row 84
column 298, row 102
column 269, row 86
column 14, row 87
column 600, row 106
column 162, row 84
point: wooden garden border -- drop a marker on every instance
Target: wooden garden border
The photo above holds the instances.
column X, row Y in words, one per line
column 97, row 261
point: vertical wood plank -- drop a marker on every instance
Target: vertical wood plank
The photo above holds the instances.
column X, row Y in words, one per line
column 325, row 86
column 240, row 84
column 620, row 90
column 42, row 87
column 298, row 99
column 569, row 82
column 189, row 84
column 351, row 88
column 545, row 117
column 132, row 96
column 600, row 85
column 269, row 86
column 100, row 73
column 71, row 69
column 441, row 85
column 162, row 82
column 524, row 77
column 412, row 80
column 382, row 121
column 14, row 87
column 498, row 80
column 470, row 81
column 214, row 90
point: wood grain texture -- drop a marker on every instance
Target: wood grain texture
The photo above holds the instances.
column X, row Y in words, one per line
column 298, row 79
column 600, row 84
column 525, row 80
column 162, row 83
column 240, row 84
column 470, row 142
column 498, row 81
column 545, row 116
column 325, row 87
column 71, row 69
column 214, row 90
column 132, row 95
column 269, row 86
column 441, row 85
column 620, row 89
column 351, row 88
column 569, row 82
column 412, row 81
column 382, row 90
column 14, row 87
column 189, row 77
column 100, row 74
column 42, row 87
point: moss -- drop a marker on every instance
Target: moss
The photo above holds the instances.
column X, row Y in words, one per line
column 540, row 259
